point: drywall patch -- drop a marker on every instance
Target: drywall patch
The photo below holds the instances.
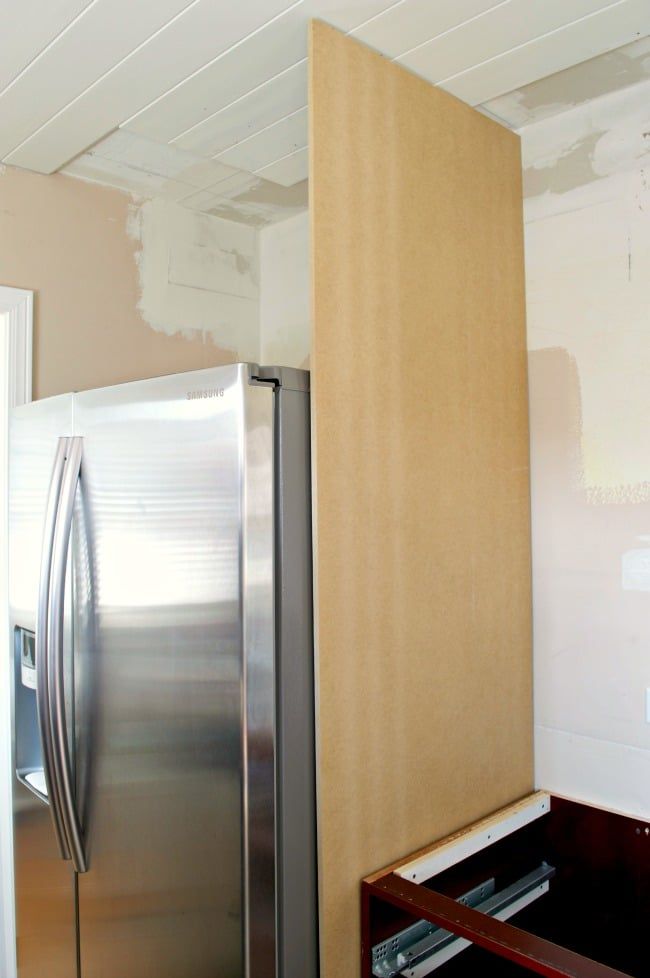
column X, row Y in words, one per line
column 587, row 274
column 198, row 274
column 570, row 167
column 257, row 202
column 292, row 198
column 576, row 85
column 600, row 139
column 230, row 212
column 556, row 414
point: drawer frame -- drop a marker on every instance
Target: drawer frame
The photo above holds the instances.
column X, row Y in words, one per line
column 398, row 892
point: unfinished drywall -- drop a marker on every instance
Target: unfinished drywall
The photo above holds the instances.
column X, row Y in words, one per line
column 198, row 276
column 124, row 288
column 285, row 294
column 587, row 175
column 420, row 420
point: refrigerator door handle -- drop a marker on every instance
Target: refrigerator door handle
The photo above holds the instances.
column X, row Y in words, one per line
column 42, row 647
column 56, row 688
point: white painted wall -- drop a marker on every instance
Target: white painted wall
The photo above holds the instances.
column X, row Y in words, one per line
column 285, row 311
column 587, row 181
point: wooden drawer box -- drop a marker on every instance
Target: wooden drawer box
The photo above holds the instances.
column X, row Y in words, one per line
column 572, row 881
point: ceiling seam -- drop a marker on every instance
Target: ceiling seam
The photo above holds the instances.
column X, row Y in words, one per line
column 252, row 91
column 256, row 88
column 209, row 64
column 301, row 149
column 450, row 30
column 255, row 134
column 89, row 88
column 47, row 47
column 533, row 40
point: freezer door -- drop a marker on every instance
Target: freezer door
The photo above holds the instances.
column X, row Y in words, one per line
column 173, row 555
column 44, row 882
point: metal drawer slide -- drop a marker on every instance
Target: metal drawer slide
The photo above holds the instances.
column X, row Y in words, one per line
column 419, row 949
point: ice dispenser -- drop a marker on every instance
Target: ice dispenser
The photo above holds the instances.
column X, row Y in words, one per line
column 29, row 757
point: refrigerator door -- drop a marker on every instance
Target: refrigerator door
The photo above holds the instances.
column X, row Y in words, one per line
column 173, row 556
column 44, row 883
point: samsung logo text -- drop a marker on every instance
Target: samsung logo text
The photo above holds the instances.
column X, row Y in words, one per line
column 200, row 395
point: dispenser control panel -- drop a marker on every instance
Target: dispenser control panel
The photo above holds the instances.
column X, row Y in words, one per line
column 28, row 658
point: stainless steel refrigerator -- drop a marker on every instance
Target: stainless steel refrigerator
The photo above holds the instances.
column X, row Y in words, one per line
column 161, row 627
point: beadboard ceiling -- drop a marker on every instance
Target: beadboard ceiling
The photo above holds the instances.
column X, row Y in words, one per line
column 204, row 102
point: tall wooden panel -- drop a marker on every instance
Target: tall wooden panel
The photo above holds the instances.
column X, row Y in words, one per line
column 421, row 470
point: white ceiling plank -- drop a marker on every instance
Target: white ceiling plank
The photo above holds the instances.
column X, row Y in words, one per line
column 170, row 55
column 160, row 159
column 289, row 170
column 269, row 51
column 282, row 95
column 347, row 14
column 603, row 31
column 495, row 32
column 26, row 28
column 268, row 145
column 414, row 21
column 106, row 32
column 238, row 71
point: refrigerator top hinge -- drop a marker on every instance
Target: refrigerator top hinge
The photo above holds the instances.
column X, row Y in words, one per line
column 290, row 378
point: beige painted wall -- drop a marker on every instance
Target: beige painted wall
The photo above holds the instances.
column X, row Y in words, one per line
column 586, row 177
column 86, row 252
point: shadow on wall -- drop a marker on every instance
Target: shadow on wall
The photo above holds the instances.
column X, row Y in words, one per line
column 591, row 560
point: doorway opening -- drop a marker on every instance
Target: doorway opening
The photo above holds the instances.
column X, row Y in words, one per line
column 16, row 326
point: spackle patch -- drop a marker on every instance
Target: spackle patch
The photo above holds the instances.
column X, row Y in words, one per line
column 197, row 274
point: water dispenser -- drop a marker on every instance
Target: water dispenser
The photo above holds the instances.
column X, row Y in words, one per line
column 29, row 756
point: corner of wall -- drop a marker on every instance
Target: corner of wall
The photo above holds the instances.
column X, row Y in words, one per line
column 285, row 301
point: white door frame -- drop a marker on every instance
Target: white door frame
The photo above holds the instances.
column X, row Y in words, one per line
column 16, row 328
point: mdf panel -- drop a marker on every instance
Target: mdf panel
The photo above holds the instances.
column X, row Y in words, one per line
column 421, row 471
